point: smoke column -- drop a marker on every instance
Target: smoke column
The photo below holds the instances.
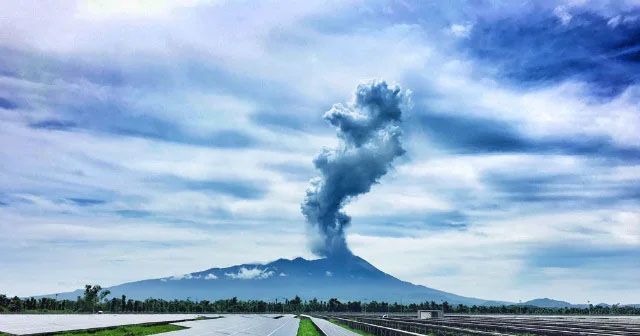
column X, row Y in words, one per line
column 369, row 130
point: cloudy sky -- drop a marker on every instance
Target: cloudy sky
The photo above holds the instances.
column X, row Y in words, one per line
column 143, row 139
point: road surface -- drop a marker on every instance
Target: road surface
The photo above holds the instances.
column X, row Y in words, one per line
column 240, row 325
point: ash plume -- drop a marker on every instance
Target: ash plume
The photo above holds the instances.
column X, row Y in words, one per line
column 369, row 132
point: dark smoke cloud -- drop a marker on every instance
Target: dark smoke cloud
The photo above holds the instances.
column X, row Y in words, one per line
column 369, row 129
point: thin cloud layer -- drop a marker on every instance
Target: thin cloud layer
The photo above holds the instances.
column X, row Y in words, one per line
column 248, row 274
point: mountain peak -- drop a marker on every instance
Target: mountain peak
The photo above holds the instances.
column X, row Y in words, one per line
column 346, row 277
column 547, row 302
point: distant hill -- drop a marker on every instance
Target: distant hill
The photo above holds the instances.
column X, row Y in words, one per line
column 550, row 303
column 349, row 278
column 547, row 303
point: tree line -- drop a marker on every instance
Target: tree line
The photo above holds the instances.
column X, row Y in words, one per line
column 96, row 299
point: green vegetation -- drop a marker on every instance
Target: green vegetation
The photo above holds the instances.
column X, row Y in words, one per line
column 95, row 299
column 93, row 295
column 336, row 322
column 307, row 328
column 131, row 330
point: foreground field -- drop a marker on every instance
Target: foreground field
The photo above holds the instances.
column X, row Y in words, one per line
column 322, row 325
column 190, row 325
column 491, row 325
column 361, row 332
column 134, row 330
column 241, row 324
column 25, row 324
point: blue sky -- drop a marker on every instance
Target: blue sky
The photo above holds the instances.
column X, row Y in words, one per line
column 143, row 139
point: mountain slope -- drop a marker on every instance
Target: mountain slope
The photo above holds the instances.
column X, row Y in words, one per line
column 547, row 303
column 346, row 278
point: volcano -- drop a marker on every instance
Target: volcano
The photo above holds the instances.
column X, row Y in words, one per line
column 348, row 278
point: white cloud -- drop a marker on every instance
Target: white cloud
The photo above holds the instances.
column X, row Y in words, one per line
column 135, row 8
column 247, row 274
column 163, row 248
column 614, row 21
column 210, row 276
column 622, row 19
column 461, row 30
column 471, row 264
column 562, row 12
column 182, row 277
column 565, row 109
column 328, row 273
column 42, row 168
column 282, row 274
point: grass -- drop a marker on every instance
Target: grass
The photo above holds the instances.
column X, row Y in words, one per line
column 130, row 330
column 307, row 328
column 363, row 333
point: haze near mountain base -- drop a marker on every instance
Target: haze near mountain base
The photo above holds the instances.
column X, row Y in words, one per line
column 369, row 132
